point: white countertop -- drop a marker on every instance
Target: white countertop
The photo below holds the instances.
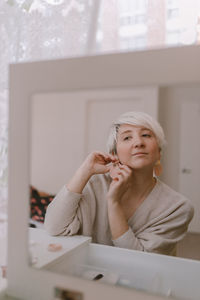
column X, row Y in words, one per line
column 39, row 253
column 40, row 239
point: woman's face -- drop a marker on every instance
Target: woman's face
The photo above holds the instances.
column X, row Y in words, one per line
column 137, row 147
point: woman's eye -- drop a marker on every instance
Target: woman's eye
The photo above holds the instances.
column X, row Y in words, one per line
column 146, row 135
column 126, row 138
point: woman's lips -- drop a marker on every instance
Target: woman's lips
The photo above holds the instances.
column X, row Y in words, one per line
column 139, row 153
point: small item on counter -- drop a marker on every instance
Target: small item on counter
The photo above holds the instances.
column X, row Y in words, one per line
column 54, row 247
column 98, row 276
column 3, row 271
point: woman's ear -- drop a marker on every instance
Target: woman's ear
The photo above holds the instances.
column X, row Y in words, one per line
column 114, row 152
column 160, row 150
column 158, row 168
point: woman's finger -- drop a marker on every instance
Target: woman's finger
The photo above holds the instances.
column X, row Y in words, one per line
column 114, row 169
column 126, row 171
column 107, row 157
column 126, row 168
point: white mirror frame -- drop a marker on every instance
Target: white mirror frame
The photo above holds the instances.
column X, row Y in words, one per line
column 153, row 67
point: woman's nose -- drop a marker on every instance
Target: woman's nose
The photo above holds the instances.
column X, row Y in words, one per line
column 138, row 142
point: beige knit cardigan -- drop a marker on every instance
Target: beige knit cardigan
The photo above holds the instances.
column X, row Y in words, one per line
column 156, row 226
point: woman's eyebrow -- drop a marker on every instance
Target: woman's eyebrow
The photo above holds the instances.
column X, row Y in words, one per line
column 144, row 129
column 129, row 130
column 125, row 131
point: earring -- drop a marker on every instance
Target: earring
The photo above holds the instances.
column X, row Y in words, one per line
column 158, row 168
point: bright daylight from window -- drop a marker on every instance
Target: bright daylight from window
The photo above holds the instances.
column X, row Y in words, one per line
column 48, row 29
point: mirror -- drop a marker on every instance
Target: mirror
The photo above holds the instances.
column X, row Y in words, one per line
column 62, row 136
column 173, row 90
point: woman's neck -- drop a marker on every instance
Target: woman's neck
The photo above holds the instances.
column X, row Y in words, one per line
column 140, row 179
column 141, row 186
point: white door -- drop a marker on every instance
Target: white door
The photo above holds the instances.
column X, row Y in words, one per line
column 108, row 105
column 189, row 158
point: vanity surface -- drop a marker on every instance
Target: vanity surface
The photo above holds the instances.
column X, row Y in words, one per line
column 156, row 275
column 41, row 246
column 41, row 254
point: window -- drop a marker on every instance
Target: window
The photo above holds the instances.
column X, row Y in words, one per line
column 47, row 29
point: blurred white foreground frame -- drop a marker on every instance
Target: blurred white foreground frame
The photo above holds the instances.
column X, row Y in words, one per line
column 176, row 278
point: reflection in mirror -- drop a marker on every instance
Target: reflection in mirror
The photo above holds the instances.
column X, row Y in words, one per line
column 65, row 128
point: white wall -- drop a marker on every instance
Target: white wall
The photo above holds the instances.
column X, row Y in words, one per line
column 182, row 151
column 170, row 100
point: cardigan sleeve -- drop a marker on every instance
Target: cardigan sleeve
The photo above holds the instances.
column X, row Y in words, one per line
column 62, row 217
column 128, row 240
column 161, row 234
column 71, row 213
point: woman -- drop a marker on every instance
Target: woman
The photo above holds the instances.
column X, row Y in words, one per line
column 117, row 199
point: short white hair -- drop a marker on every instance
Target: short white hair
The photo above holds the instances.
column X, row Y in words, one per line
column 136, row 118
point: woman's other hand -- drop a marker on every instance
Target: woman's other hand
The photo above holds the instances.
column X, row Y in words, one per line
column 121, row 180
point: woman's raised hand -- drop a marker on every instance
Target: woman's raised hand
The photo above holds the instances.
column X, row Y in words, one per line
column 95, row 163
column 99, row 162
